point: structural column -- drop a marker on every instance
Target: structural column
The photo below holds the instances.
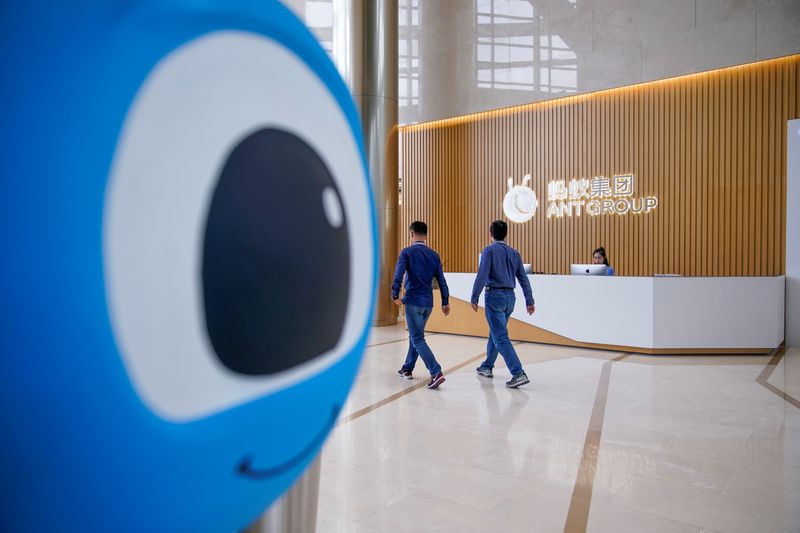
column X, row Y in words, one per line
column 792, row 331
column 365, row 52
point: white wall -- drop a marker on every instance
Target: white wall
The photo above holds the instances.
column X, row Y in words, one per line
column 464, row 56
column 793, row 234
column 466, row 65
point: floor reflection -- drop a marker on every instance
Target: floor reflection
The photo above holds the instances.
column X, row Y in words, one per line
column 686, row 443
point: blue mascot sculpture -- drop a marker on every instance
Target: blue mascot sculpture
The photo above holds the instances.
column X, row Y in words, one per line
column 188, row 268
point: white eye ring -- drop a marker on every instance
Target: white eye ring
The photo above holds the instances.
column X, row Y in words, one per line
column 195, row 105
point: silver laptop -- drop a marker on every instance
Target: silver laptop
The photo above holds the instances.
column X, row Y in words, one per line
column 588, row 270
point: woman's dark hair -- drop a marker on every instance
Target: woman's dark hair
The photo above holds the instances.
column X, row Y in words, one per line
column 499, row 230
column 602, row 251
column 420, row 228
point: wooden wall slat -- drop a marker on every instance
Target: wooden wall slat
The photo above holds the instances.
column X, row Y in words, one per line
column 711, row 146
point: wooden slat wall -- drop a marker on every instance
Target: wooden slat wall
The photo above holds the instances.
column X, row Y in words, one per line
column 710, row 146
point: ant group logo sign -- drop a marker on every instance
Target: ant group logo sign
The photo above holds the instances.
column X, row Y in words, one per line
column 597, row 196
column 520, row 202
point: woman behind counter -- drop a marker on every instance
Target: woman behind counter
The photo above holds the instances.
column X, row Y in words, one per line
column 599, row 258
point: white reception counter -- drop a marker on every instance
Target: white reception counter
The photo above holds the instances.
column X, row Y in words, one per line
column 646, row 315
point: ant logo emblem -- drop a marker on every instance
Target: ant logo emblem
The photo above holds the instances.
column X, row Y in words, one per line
column 520, row 202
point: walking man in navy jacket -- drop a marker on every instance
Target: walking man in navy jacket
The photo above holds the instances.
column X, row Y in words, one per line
column 499, row 265
column 420, row 265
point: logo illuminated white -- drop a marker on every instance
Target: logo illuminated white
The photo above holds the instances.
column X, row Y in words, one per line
column 520, row 202
column 596, row 196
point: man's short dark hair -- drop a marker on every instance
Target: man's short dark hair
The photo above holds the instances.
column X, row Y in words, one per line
column 499, row 230
column 418, row 227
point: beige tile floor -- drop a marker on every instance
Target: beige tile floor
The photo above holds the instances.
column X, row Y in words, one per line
column 686, row 444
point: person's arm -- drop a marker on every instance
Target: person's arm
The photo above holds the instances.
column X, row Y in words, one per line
column 397, row 282
column 480, row 279
column 525, row 283
column 443, row 289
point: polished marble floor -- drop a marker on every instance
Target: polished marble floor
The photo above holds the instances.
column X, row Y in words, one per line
column 598, row 441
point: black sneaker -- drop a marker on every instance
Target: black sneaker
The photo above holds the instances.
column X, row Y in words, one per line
column 518, row 380
column 436, row 380
column 484, row 371
column 405, row 374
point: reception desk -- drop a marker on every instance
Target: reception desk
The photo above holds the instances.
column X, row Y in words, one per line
column 658, row 315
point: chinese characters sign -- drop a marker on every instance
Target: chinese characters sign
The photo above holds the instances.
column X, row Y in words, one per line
column 596, row 196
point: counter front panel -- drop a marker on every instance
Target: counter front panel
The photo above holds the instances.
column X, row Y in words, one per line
column 639, row 314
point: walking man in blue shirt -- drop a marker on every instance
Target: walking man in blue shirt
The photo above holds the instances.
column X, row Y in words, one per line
column 420, row 265
column 499, row 265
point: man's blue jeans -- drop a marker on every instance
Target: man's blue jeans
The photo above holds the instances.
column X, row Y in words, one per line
column 416, row 317
column 499, row 306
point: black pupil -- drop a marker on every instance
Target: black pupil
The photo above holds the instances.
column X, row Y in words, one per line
column 276, row 262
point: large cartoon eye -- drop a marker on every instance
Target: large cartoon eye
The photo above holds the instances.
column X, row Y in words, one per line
column 275, row 223
column 237, row 234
